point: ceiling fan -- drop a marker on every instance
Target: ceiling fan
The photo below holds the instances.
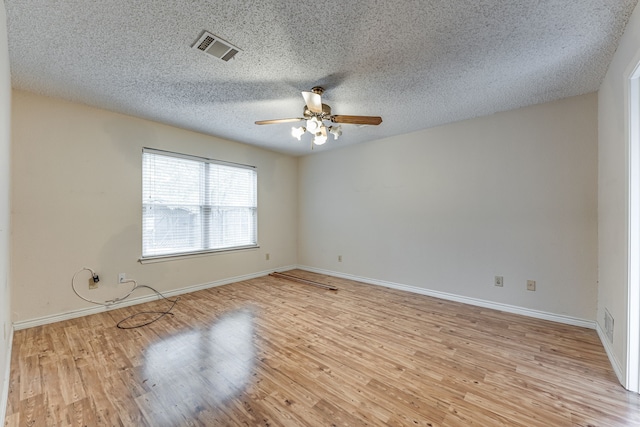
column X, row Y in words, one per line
column 315, row 113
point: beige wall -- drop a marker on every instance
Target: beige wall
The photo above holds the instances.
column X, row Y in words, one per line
column 77, row 202
column 613, row 188
column 5, row 155
column 448, row 208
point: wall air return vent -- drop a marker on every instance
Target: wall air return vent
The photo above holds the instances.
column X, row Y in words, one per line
column 608, row 325
column 215, row 46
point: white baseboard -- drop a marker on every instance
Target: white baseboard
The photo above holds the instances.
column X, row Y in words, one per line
column 5, row 384
column 610, row 354
column 559, row 318
column 414, row 289
column 25, row 324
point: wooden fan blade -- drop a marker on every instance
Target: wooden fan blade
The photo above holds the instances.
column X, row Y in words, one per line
column 313, row 101
column 275, row 121
column 357, row 120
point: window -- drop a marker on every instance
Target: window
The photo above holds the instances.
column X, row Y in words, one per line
column 193, row 205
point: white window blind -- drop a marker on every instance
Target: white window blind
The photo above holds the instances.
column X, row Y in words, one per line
column 194, row 205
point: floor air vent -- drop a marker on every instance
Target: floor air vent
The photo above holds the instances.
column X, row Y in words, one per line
column 215, row 46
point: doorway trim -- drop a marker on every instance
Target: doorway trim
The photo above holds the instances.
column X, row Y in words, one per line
column 632, row 378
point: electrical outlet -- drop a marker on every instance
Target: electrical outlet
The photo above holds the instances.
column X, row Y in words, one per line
column 339, row 258
column 531, row 285
column 122, row 277
column 498, row 281
column 266, row 257
column 92, row 284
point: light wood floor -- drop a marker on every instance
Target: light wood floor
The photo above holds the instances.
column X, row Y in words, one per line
column 271, row 352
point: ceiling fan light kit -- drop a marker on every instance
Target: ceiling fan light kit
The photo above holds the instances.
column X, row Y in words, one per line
column 320, row 136
column 315, row 113
column 298, row 132
column 336, row 131
column 314, row 125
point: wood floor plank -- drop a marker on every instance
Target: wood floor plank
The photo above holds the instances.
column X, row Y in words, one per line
column 273, row 352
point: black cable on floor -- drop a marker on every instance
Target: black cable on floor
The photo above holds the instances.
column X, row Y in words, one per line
column 160, row 314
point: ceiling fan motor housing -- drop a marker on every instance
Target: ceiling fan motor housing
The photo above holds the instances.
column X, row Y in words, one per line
column 326, row 111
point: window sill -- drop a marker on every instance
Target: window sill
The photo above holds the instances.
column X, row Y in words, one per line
column 176, row 257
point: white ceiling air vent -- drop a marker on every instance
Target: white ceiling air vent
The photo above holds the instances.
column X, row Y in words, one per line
column 215, row 46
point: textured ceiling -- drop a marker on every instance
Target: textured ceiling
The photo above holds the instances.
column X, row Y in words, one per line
column 416, row 63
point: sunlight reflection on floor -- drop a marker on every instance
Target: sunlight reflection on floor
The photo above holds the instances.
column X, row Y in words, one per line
column 202, row 367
